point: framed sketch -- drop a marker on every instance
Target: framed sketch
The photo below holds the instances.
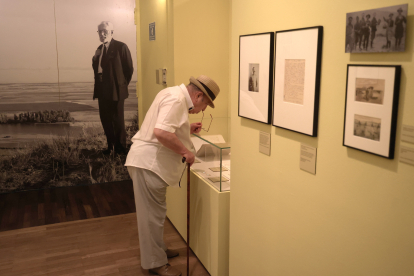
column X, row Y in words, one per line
column 371, row 108
column 255, row 76
column 376, row 30
column 297, row 79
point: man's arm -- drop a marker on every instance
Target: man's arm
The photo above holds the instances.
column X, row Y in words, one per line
column 171, row 141
column 95, row 58
column 127, row 64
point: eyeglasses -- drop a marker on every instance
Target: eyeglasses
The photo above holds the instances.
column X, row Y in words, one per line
column 103, row 31
column 210, row 122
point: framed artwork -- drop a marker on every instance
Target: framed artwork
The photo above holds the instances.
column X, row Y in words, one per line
column 376, row 30
column 297, row 79
column 255, row 76
column 371, row 108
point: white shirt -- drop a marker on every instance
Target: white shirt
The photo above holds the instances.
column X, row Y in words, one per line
column 169, row 112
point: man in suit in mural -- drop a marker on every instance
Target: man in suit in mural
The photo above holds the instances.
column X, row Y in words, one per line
column 113, row 68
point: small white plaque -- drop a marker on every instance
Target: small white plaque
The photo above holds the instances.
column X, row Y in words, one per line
column 308, row 158
column 407, row 134
column 407, row 155
column 264, row 143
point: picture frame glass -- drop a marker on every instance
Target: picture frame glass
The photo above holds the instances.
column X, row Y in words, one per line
column 297, row 78
column 370, row 108
column 255, row 71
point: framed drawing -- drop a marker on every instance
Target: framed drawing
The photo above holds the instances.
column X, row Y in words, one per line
column 371, row 108
column 376, row 30
column 255, row 76
column 297, row 79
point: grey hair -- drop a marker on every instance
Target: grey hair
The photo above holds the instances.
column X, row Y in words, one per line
column 195, row 87
column 109, row 26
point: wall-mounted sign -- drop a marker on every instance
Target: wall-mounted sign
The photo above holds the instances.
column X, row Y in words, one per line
column 152, row 31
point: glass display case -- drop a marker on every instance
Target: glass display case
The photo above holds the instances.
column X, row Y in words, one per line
column 212, row 160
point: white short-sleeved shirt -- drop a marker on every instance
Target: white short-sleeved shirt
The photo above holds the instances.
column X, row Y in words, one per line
column 169, row 112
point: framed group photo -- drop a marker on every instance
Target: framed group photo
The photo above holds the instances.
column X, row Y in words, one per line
column 371, row 108
column 297, row 79
column 376, row 30
column 255, row 76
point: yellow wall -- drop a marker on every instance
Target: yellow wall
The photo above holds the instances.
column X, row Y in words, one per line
column 192, row 38
column 201, row 47
column 154, row 54
column 356, row 215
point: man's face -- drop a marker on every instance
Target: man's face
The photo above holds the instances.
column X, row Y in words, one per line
column 105, row 35
column 200, row 104
column 350, row 20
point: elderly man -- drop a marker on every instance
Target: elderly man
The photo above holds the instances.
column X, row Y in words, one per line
column 113, row 68
column 155, row 162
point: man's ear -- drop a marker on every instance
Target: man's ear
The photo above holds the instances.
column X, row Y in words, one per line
column 200, row 95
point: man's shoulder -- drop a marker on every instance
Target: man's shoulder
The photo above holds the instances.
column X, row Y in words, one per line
column 172, row 93
column 118, row 43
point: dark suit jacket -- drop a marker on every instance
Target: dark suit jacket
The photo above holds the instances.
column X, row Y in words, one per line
column 116, row 72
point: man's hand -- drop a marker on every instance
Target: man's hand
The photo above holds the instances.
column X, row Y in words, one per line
column 97, row 54
column 189, row 158
column 195, row 128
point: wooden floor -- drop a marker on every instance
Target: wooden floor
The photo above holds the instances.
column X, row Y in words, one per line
column 83, row 230
column 99, row 246
column 42, row 207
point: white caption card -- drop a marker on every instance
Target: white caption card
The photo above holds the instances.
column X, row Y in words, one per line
column 264, row 143
column 308, row 158
column 407, row 134
column 407, row 155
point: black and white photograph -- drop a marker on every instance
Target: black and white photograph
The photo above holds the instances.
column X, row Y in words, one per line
column 254, row 77
column 68, row 92
column 376, row 30
column 367, row 127
column 297, row 79
column 369, row 90
column 371, row 108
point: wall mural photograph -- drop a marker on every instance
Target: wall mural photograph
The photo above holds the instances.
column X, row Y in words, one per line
column 68, row 104
column 376, row 30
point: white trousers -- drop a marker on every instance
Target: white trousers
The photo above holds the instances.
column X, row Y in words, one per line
column 151, row 209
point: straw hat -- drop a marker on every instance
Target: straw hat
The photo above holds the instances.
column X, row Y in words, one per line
column 208, row 86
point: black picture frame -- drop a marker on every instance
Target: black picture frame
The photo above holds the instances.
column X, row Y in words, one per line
column 256, row 52
column 371, row 108
column 296, row 107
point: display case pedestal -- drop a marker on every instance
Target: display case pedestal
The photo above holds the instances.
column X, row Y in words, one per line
column 209, row 221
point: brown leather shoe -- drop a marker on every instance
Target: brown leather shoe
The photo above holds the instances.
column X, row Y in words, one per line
column 165, row 270
column 171, row 253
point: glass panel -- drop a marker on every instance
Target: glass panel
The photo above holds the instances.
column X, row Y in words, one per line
column 212, row 160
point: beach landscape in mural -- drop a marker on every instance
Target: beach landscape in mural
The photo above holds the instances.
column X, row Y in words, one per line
column 50, row 128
